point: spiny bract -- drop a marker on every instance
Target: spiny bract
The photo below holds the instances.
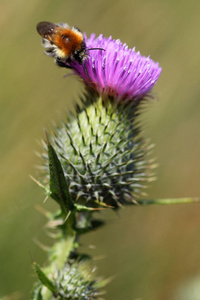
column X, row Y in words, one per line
column 74, row 281
column 101, row 153
column 74, row 284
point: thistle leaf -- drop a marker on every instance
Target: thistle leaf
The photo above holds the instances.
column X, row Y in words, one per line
column 44, row 280
column 36, row 293
column 59, row 188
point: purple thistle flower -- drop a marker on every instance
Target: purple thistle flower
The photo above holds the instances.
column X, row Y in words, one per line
column 118, row 71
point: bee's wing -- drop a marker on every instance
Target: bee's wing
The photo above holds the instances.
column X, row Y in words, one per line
column 46, row 29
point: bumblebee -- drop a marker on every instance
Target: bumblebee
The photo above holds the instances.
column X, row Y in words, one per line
column 63, row 42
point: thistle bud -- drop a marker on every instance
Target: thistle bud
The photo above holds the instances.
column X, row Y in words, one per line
column 101, row 153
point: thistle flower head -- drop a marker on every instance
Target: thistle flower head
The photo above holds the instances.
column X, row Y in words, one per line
column 99, row 150
column 118, row 71
column 74, row 281
column 105, row 65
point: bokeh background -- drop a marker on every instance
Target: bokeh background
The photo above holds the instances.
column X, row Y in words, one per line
column 153, row 252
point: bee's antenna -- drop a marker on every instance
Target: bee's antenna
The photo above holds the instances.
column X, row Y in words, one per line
column 96, row 49
column 84, row 66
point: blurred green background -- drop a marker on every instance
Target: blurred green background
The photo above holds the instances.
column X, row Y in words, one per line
column 152, row 251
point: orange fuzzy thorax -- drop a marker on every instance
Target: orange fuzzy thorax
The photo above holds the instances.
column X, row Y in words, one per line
column 67, row 40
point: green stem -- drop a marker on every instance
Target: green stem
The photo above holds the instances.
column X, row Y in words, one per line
column 169, row 201
column 60, row 252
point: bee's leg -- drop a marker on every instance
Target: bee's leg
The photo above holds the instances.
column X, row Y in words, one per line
column 62, row 64
column 86, row 71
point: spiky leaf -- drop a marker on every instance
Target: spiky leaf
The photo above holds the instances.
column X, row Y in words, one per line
column 59, row 188
column 36, row 293
column 44, row 279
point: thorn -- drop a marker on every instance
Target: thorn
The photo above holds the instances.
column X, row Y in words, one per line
column 69, row 213
column 47, row 138
column 36, row 181
column 94, row 269
column 54, row 223
column 103, row 205
column 91, row 296
column 42, row 210
column 45, row 199
column 31, row 256
column 99, row 257
column 83, row 140
column 37, row 153
column 135, row 202
column 42, row 246
column 92, row 247
column 52, row 235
